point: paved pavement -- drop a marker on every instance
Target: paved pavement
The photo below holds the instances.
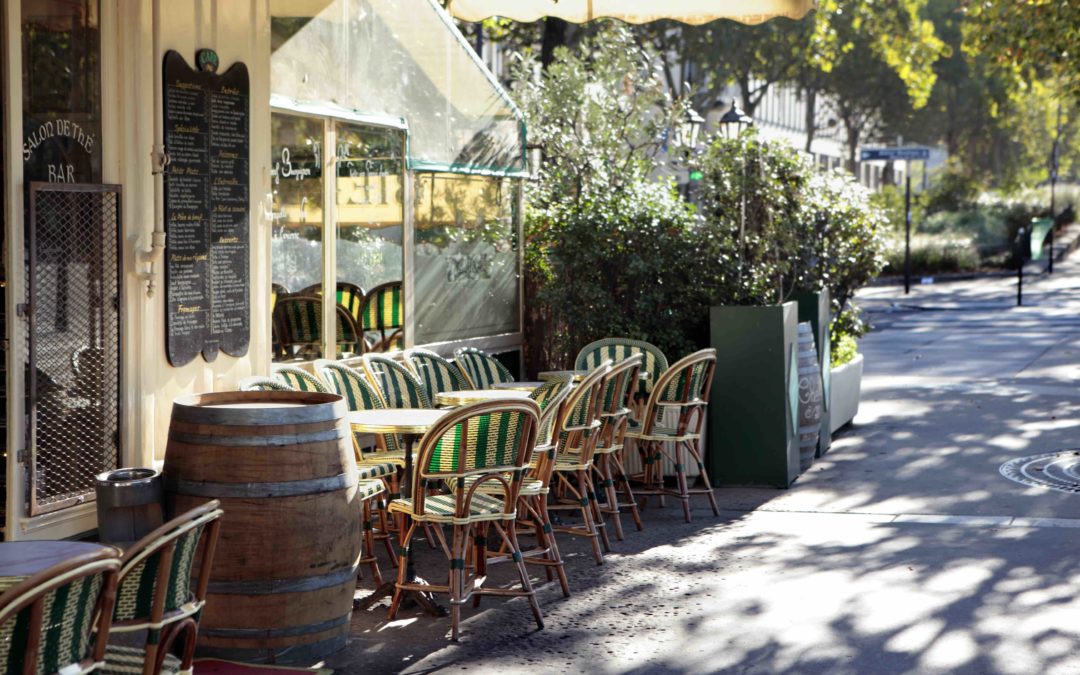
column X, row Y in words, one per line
column 904, row 550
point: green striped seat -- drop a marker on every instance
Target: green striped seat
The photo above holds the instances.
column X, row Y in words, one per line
column 299, row 379
column 129, row 661
column 156, row 593
column 376, row 469
column 64, row 606
column 400, row 388
column 437, row 374
column 383, row 311
column 484, row 442
column 366, row 489
column 481, row 370
column 619, row 349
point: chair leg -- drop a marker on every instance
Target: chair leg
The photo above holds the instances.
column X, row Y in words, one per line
column 385, row 533
column 602, row 463
column 510, row 534
column 403, row 564
column 456, row 581
column 369, row 543
column 695, row 451
column 544, row 529
column 480, row 544
column 594, row 503
column 680, row 473
column 619, row 474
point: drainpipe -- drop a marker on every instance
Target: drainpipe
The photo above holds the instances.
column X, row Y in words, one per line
column 160, row 161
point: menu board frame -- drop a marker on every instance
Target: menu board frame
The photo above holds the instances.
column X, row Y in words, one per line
column 207, row 133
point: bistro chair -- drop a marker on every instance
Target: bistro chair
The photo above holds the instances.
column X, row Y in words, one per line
column 483, row 443
column 57, row 621
column 399, row 386
column 684, row 387
column 437, row 373
column 155, row 593
column 298, row 379
column 576, row 446
column 480, row 370
column 298, row 322
column 535, row 487
column 618, row 349
column 608, row 462
column 382, row 312
column 350, row 296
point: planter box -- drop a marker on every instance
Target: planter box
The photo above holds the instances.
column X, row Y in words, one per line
column 844, row 394
column 816, row 308
column 752, row 437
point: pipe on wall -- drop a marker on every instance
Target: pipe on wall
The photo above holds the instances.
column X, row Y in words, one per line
column 160, row 161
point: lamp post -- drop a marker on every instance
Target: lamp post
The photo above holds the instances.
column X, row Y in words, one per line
column 732, row 125
column 685, row 135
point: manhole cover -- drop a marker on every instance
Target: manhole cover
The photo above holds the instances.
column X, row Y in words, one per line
column 1055, row 470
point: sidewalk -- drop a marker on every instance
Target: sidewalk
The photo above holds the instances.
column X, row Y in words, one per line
column 904, row 550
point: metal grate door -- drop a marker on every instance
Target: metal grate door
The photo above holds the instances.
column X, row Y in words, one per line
column 73, row 341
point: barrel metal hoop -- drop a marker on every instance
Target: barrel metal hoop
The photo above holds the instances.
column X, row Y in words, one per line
column 275, row 586
column 287, row 631
column 255, row 441
column 259, row 417
column 292, row 488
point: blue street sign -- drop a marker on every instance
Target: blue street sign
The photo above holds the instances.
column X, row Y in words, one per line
column 889, row 154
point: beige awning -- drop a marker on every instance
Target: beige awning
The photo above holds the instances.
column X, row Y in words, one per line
column 633, row 11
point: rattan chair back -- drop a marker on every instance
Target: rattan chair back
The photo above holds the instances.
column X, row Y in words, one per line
column 299, row 379
column 618, row 349
column 685, row 385
column 437, row 374
column 382, row 312
column 58, row 619
column 262, row 383
column 399, row 386
column 358, row 392
column 298, row 324
column 482, row 371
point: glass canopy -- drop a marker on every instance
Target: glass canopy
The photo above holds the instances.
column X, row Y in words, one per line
column 397, row 59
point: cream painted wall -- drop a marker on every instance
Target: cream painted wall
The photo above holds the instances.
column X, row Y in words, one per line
column 133, row 46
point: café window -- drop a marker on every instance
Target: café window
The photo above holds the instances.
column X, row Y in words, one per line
column 61, row 91
column 466, row 257
column 296, row 149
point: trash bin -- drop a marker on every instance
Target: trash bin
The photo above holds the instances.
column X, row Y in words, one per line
column 129, row 504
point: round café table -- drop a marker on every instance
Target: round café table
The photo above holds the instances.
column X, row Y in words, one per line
column 527, row 385
column 410, row 424
column 22, row 559
column 455, row 399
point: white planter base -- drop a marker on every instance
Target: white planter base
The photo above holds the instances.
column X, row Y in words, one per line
column 844, row 392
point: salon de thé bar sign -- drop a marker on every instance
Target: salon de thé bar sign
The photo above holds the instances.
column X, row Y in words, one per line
column 207, row 208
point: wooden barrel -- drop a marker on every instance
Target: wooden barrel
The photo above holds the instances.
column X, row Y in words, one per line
column 284, row 572
column 810, row 396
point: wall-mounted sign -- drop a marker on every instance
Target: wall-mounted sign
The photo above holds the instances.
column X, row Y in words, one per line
column 207, row 208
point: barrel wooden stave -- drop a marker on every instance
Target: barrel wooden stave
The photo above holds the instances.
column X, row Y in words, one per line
column 811, row 395
column 284, row 570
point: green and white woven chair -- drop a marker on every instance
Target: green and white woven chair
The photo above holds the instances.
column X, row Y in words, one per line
column 384, row 462
column 608, row 463
column 535, row 486
column 156, row 594
column 57, row 621
column 298, row 379
column 351, row 297
column 480, row 370
column 618, row 349
column 383, row 311
column 483, row 442
column 400, row 388
column 298, row 322
column 437, row 373
column 684, row 386
column 576, row 446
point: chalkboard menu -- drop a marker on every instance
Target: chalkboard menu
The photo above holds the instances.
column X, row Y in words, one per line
column 206, row 208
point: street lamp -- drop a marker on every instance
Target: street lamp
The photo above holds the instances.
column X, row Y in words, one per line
column 734, row 122
column 688, row 129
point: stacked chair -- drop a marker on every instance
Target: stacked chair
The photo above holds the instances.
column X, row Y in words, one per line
column 480, row 370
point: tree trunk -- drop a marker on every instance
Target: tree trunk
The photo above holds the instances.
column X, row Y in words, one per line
column 554, row 36
column 810, row 120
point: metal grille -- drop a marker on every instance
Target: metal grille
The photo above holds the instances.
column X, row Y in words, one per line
column 73, row 341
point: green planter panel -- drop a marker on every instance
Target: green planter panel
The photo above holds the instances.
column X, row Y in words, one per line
column 751, row 434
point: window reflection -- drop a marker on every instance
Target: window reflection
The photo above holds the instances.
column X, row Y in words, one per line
column 466, row 257
column 370, row 210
